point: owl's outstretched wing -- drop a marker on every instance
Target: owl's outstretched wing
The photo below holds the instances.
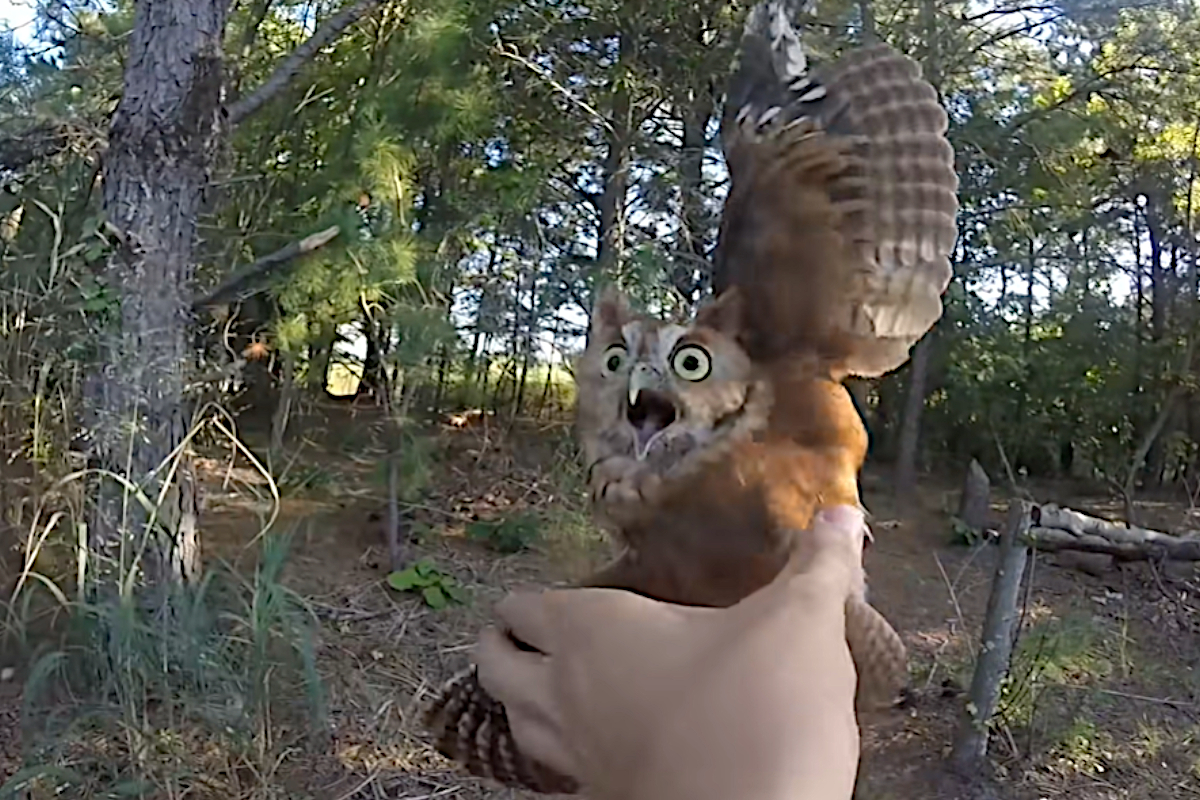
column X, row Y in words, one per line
column 840, row 217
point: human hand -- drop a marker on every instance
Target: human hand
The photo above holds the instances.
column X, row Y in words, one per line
column 641, row 699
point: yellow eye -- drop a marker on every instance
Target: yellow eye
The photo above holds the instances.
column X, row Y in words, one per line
column 614, row 358
column 691, row 362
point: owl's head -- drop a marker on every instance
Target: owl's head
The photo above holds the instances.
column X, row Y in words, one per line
column 659, row 392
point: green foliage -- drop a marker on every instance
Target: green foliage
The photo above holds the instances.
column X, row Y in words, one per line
column 472, row 154
column 461, row 148
column 509, row 534
column 963, row 534
column 231, row 664
column 437, row 589
column 416, row 460
column 1085, row 748
column 1055, row 653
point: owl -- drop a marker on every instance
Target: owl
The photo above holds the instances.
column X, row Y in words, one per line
column 710, row 446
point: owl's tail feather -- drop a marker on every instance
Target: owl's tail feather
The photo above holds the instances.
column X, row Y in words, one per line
column 470, row 727
column 879, row 654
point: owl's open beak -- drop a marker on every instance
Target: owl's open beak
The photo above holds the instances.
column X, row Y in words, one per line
column 650, row 410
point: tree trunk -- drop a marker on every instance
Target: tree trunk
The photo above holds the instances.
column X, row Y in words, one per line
column 320, row 355
column 372, row 370
column 283, row 412
column 443, row 368
column 1139, row 291
column 1158, row 283
column 162, row 141
column 974, row 505
column 616, row 172
column 910, row 424
column 691, row 254
column 866, row 18
column 914, row 404
column 860, row 395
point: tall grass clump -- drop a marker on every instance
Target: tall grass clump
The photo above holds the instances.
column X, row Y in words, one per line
column 207, row 700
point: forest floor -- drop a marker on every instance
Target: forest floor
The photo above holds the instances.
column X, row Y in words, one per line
column 1104, row 700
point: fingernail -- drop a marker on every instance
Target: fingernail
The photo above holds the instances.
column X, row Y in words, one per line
column 847, row 517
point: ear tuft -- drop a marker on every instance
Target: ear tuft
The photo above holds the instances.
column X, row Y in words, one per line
column 724, row 313
column 610, row 311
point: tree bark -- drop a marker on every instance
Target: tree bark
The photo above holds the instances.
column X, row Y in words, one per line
column 914, row 404
column 162, row 142
column 910, row 425
column 866, row 18
column 974, row 506
column 1158, row 282
column 372, row 380
column 1056, row 529
column 616, row 171
column 999, row 626
column 691, row 253
column 283, row 411
column 320, row 356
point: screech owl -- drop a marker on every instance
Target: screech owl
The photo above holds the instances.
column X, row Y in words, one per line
column 706, row 481
column 711, row 446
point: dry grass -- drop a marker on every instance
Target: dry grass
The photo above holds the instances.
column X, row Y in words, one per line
column 1103, row 701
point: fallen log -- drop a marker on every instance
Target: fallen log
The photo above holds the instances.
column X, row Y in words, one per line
column 1055, row 528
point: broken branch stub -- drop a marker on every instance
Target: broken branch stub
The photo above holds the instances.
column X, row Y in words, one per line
column 974, row 505
column 971, row 740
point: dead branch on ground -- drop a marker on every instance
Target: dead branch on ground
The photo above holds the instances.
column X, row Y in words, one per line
column 1055, row 528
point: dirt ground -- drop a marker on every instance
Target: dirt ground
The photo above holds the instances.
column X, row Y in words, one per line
column 1102, row 702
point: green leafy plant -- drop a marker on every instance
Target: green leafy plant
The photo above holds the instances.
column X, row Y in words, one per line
column 508, row 535
column 436, row 587
column 311, row 478
column 963, row 534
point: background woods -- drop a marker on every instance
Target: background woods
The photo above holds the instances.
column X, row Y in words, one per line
column 293, row 283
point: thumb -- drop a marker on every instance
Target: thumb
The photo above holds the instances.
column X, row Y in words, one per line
column 831, row 561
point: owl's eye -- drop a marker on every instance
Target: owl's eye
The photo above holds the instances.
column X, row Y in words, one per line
column 691, row 362
column 614, row 357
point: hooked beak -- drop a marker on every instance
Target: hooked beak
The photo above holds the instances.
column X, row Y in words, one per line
column 643, row 378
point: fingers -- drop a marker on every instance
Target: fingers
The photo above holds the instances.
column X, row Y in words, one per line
column 541, row 740
column 544, row 620
column 521, row 680
column 527, row 615
column 840, row 533
column 507, row 672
